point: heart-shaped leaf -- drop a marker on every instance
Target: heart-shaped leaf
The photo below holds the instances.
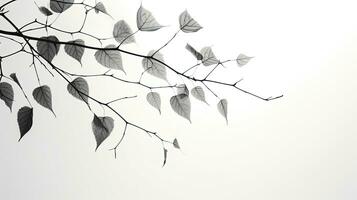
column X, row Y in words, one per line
column 181, row 105
column 222, row 108
column 99, row 7
column 145, row 21
column 154, row 100
column 75, row 51
column 43, row 96
column 14, row 77
column 24, row 120
column 60, row 6
column 208, row 57
column 7, row 94
column 199, row 93
column 182, row 89
column 176, row 144
column 193, row 51
column 154, row 67
column 48, row 48
column 188, row 24
column 243, row 60
column 102, row 127
column 110, row 58
column 123, row 33
column 79, row 89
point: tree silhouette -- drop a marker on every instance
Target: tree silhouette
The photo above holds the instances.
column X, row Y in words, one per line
column 43, row 49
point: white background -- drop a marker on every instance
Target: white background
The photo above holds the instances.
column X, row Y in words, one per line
column 299, row 147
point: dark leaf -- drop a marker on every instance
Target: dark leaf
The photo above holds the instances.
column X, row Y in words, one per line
column 45, row 11
column 222, row 108
column 74, row 51
column 181, row 105
column 154, row 67
column 99, row 7
column 24, row 120
column 188, row 24
column 123, row 33
column 7, row 94
column 48, row 49
column 154, row 100
column 43, row 96
column 60, row 6
column 145, row 21
column 102, row 127
column 208, row 57
column 14, row 77
column 199, row 93
column 243, row 60
column 176, row 144
column 109, row 58
column 165, row 157
column 79, row 89
column 195, row 53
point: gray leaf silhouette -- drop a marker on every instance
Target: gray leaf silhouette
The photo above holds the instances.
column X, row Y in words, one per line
column 243, row 60
column 45, row 11
column 208, row 57
column 102, row 127
column 182, row 89
column 222, row 108
column 74, row 51
column 99, row 7
column 176, row 144
column 154, row 67
column 109, row 58
column 199, row 93
column 145, row 21
column 154, row 100
column 24, row 120
column 60, row 6
column 14, row 77
column 188, row 24
column 7, row 94
column 123, row 33
column 181, row 105
column 193, row 51
column 79, row 89
column 47, row 49
column 165, row 157
column 43, row 96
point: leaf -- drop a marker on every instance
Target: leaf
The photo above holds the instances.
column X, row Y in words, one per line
column 154, row 100
column 154, row 67
column 109, row 58
column 181, row 105
column 145, row 21
column 123, row 33
column 222, row 108
column 79, row 89
column 24, row 120
column 75, row 51
column 102, row 127
column 188, row 24
column 14, row 77
column 176, row 144
column 165, row 157
column 7, row 94
column 45, row 11
column 60, row 6
column 99, row 7
column 48, row 49
column 199, row 93
column 182, row 89
column 43, row 96
column 243, row 60
column 195, row 53
column 208, row 57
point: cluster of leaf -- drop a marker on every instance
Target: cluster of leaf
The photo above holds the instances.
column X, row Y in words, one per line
column 110, row 57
